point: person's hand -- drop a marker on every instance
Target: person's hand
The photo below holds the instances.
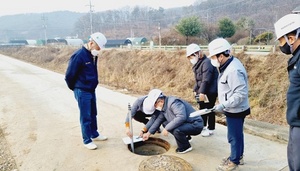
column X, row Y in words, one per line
column 146, row 136
column 128, row 133
column 165, row 132
column 141, row 134
column 218, row 108
column 201, row 97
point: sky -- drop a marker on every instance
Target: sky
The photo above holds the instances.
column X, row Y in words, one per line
column 12, row 7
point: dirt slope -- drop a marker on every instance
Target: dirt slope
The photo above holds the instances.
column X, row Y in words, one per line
column 137, row 71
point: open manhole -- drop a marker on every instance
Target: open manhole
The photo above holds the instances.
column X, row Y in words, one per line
column 153, row 146
column 164, row 163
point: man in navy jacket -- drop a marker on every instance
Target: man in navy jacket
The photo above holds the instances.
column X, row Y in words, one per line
column 82, row 78
column 287, row 30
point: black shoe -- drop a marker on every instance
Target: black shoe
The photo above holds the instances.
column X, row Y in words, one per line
column 182, row 151
column 158, row 130
column 189, row 138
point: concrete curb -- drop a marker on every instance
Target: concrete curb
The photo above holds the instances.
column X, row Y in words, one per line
column 262, row 129
column 267, row 130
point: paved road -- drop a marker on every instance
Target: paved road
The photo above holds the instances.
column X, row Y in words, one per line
column 39, row 116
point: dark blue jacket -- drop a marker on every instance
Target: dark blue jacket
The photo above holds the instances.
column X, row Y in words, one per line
column 293, row 93
column 206, row 77
column 82, row 71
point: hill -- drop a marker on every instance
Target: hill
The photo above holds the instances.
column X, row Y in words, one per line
column 32, row 26
column 143, row 21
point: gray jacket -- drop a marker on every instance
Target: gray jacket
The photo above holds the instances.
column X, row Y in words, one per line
column 175, row 112
column 233, row 87
column 136, row 106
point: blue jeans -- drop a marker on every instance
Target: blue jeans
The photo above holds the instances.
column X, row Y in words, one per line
column 185, row 129
column 235, row 136
column 293, row 149
column 88, row 114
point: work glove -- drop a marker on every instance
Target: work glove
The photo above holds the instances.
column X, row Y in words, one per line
column 218, row 108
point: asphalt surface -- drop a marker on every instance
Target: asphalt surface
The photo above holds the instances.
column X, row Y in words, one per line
column 40, row 120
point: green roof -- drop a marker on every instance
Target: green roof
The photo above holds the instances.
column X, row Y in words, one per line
column 296, row 10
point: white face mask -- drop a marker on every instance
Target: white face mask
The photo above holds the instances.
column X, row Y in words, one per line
column 215, row 63
column 194, row 60
column 94, row 52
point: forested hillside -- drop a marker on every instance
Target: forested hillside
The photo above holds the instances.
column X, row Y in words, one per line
column 146, row 22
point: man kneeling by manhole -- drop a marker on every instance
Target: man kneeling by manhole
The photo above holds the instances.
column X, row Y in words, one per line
column 175, row 118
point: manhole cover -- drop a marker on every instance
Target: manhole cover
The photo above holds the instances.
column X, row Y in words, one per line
column 153, row 146
column 165, row 163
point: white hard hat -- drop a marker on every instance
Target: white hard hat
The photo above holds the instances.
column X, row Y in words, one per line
column 149, row 101
column 192, row 48
column 217, row 46
column 99, row 38
column 287, row 24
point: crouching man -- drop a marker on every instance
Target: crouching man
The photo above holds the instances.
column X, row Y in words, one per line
column 174, row 116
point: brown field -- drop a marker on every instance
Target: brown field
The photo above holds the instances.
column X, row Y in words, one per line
column 138, row 71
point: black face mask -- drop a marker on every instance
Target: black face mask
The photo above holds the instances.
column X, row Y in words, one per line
column 285, row 49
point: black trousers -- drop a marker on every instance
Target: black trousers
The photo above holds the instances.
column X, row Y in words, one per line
column 209, row 119
column 141, row 117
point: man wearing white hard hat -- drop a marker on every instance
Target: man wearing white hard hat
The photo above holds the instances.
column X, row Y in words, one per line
column 205, row 88
column 233, row 99
column 137, row 113
column 82, row 78
column 287, row 30
column 174, row 116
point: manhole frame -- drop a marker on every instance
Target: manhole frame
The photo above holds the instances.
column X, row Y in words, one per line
column 154, row 141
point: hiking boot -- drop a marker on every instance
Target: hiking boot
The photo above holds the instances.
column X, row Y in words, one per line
column 242, row 160
column 90, row 146
column 100, row 138
column 182, row 151
column 228, row 166
column 226, row 159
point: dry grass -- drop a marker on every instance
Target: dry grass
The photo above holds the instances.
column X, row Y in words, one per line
column 139, row 71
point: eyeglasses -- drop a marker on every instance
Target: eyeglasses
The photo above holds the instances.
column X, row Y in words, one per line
column 191, row 56
column 158, row 99
column 218, row 55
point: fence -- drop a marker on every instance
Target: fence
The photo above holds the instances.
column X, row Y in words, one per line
column 248, row 49
column 262, row 49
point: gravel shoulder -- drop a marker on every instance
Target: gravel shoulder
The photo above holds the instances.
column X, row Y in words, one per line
column 7, row 162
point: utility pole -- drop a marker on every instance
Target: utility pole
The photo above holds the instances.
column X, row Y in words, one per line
column 207, row 17
column 159, row 36
column 131, row 29
column 44, row 19
column 91, row 16
column 250, row 35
